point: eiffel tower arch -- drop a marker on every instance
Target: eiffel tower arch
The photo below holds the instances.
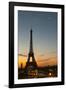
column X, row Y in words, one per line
column 31, row 65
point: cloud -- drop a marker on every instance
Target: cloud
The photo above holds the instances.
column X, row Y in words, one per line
column 22, row 55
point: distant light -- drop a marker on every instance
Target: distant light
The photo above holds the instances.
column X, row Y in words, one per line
column 50, row 74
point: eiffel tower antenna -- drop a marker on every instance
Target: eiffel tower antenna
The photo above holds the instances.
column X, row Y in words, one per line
column 31, row 41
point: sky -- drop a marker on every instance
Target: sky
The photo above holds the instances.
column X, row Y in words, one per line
column 44, row 26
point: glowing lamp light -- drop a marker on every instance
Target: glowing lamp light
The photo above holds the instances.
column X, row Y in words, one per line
column 50, row 74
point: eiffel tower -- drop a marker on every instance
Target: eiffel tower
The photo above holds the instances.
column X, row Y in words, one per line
column 31, row 62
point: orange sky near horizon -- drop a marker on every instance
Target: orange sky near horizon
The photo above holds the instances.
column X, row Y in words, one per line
column 42, row 60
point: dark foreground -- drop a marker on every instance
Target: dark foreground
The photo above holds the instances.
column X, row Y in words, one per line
column 39, row 72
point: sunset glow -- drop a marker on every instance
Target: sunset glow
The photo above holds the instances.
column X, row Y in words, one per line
column 40, row 60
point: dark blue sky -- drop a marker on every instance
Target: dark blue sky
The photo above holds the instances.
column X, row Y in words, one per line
column 44, row 26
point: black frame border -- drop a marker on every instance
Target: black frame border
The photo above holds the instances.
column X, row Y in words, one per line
column 11, row 44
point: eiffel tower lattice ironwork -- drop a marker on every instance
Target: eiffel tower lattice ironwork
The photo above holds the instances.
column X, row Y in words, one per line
column 31, row 62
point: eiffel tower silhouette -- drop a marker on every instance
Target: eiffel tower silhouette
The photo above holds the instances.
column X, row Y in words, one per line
column 31, row 62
